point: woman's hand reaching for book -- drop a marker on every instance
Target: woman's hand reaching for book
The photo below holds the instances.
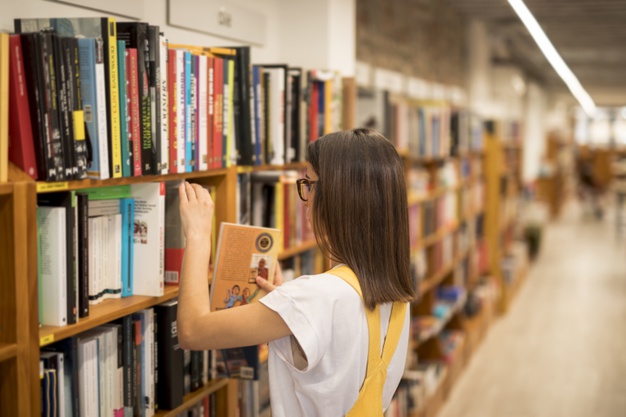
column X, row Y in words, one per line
column 267, row 286
column 196, row 212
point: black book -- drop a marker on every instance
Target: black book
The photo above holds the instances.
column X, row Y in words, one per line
column 126, row 356
column 61, row 87
column 154, row 82
column 75, row 100
column 82, row 204
column 170, row 357
column 242, row 107
column 34, row 78
column 186, row 372
column 294, row 107
column 135, row 34
column 196, row 381
column 267, row 146
column 55, row 146
column 66, row 200
column 69, row 348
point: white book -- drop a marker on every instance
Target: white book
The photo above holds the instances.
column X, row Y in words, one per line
column 277, row 115
column 88, row 376
column 202, row 114
column 114, row 288
column 149, row 238
column 181, row 122
column 103, row 138
column 57, row 360
column 117, row 372
column 106, row 256
column 205, row 367
column 165, row 152
column 53, row 246
column 103, row 207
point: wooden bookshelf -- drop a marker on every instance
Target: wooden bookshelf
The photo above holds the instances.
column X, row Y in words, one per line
column 195, row 397
column 298, row 249
column 105, row 312
column 7, row 351
column 46, row 187
column 6, row 188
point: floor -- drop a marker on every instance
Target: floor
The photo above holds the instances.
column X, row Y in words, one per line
column 561, row 349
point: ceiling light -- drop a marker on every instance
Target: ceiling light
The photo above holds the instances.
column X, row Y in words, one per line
column 553, row 56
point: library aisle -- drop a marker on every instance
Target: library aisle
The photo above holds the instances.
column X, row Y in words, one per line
column 560, row 349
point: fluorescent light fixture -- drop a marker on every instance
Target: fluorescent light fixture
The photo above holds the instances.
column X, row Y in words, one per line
column 553, row 56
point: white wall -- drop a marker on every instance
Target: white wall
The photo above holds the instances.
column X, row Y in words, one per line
column 311, row 34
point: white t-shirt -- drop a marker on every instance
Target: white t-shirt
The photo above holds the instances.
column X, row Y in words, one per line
column 327, row 318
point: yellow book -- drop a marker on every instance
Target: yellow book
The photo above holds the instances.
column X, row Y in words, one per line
column 328, row 106
column 116, row 140
column 4, row 106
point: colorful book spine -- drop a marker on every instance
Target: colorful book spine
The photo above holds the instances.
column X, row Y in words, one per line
column 188, row 108
column 127, row 208
column 163, row 76
column 231, row 144
column 202, row 147
column 181, row 110
column 114, row 112
column 124, row 122
column 102, row 113
column 134, row 112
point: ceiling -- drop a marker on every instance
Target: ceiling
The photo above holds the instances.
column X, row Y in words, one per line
column 590, row 36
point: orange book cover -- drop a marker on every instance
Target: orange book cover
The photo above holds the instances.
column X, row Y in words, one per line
column 243, row 253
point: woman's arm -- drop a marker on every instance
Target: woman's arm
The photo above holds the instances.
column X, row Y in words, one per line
column 198, row 327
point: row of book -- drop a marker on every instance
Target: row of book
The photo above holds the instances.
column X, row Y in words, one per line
column 424, row 130
column 130, row 367
column 103, row 243
column 92, row 97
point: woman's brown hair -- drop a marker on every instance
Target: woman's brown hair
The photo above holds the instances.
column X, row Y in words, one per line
column 360, row 213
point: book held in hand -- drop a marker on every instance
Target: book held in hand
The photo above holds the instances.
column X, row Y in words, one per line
column 243, row 253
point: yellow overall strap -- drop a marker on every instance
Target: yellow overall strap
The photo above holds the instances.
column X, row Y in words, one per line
column 369, row 403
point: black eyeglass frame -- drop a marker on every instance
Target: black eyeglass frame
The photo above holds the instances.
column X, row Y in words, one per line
column 301, row 182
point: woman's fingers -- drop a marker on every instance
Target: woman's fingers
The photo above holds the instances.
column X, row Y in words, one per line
column 265, row 284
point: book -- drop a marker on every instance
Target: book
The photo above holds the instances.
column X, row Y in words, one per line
column 21, row 140
column 149, row 238
column 103, row 28
column 134, row 112
column 243, row 253
column 248, row 252
column 82, row 204
column 170, row 357
column 124, row 119
column 163, row 105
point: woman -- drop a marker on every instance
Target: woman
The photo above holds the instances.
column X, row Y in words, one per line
column 320, row 345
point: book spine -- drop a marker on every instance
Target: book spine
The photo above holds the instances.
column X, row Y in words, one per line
column 127, row 209
column 193, row 112
column 233, row 156
column 113, row 116
column 127, row 354
column 154, row 79
column 102, row 113
column 172, row 109
column 59, row 83
column 21, row 142
column 51, row 222
column 181, row 110
column 139, row 385
column 75, row 104
column 164, row 104
column 202, row 147
column 124, row 139
column 188, row 112
column 134, row 112
column 170, row 356
column 145, row 105
column 82, row 201
column 218, row 134
column 210, row 110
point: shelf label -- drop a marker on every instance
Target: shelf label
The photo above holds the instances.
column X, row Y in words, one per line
column 46, row 340
column 45, row 187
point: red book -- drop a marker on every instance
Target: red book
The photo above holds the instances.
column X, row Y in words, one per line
column 219, row 108
column 21, row 141
column 134, row 115
column 172, row 103
column 210, row 109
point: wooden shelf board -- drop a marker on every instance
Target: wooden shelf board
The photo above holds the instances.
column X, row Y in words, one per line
column 6, row 188
column 105, row 312
column 43, row 187
column 193, row 398
column 7, row 351
column 430, row 283
column 296, row 250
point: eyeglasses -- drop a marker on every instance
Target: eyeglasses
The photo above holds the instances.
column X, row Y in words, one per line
column 304, row 188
